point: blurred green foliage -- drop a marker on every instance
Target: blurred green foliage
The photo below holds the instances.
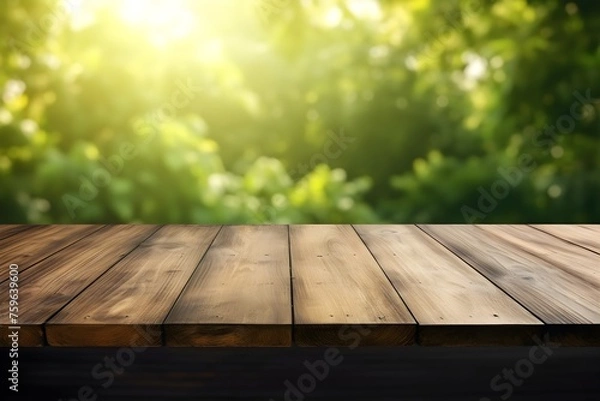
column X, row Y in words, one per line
column 299, row 111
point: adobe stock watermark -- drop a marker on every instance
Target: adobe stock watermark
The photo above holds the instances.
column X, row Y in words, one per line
column 113, row 165
column 506, row 381
column 37, row 30
column 318, row 370
column 105, row 372
column 511, row 177
column 334, row 146
column 14, row 327
column 267, row 10
column 452, row 20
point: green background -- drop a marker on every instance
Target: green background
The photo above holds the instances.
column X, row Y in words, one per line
column 299, row 111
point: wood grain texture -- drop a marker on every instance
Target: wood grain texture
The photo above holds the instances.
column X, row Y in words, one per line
column 240, row 293
column 573, row 259
column 452, row 302
column 6, row 230
column 28, row 247
column 593, row 227
column 127, row 305
column 58, row 279
column 584, row 236
column 340, row 294
column 134, row 286
column 552, row 294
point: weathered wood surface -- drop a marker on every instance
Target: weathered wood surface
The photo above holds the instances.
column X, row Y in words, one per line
column 310, row 285
column 240, row 293
column 128, row 304
column 7, row 230
column 28, row 247
column 466, row 309
column 341, row 295
column 58, row 279
column 567, row 303
column 583, row 235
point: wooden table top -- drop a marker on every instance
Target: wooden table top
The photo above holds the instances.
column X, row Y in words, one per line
column 307, row 285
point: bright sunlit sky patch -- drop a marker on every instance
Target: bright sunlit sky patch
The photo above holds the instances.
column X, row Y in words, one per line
column 365, row 8
column 163, row 21
column 166, row 21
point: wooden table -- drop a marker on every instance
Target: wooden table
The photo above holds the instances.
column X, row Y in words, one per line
column 308, row 285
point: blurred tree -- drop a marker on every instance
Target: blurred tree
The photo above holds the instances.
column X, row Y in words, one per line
column 326, row 111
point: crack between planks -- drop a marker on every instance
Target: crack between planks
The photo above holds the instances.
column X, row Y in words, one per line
column 58, row 250
column 483, row 275
column 389, row 280
column 563, row 239
column 554, row 265
column 162, row 324
column 293, row 319
column 45, row 337
column 20, row 229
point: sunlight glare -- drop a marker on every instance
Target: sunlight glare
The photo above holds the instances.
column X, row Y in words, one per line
column 163, row 20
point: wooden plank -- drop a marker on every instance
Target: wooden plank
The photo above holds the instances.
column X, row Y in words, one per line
column 584, row 236
column 240, row 293
column 28, row 247
column 594, row 227
column 573, row 259
column 452, row 303
column 556, row 297
column 340, row 294
column 127, row 305
column 6, row 230
column 58, row 279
